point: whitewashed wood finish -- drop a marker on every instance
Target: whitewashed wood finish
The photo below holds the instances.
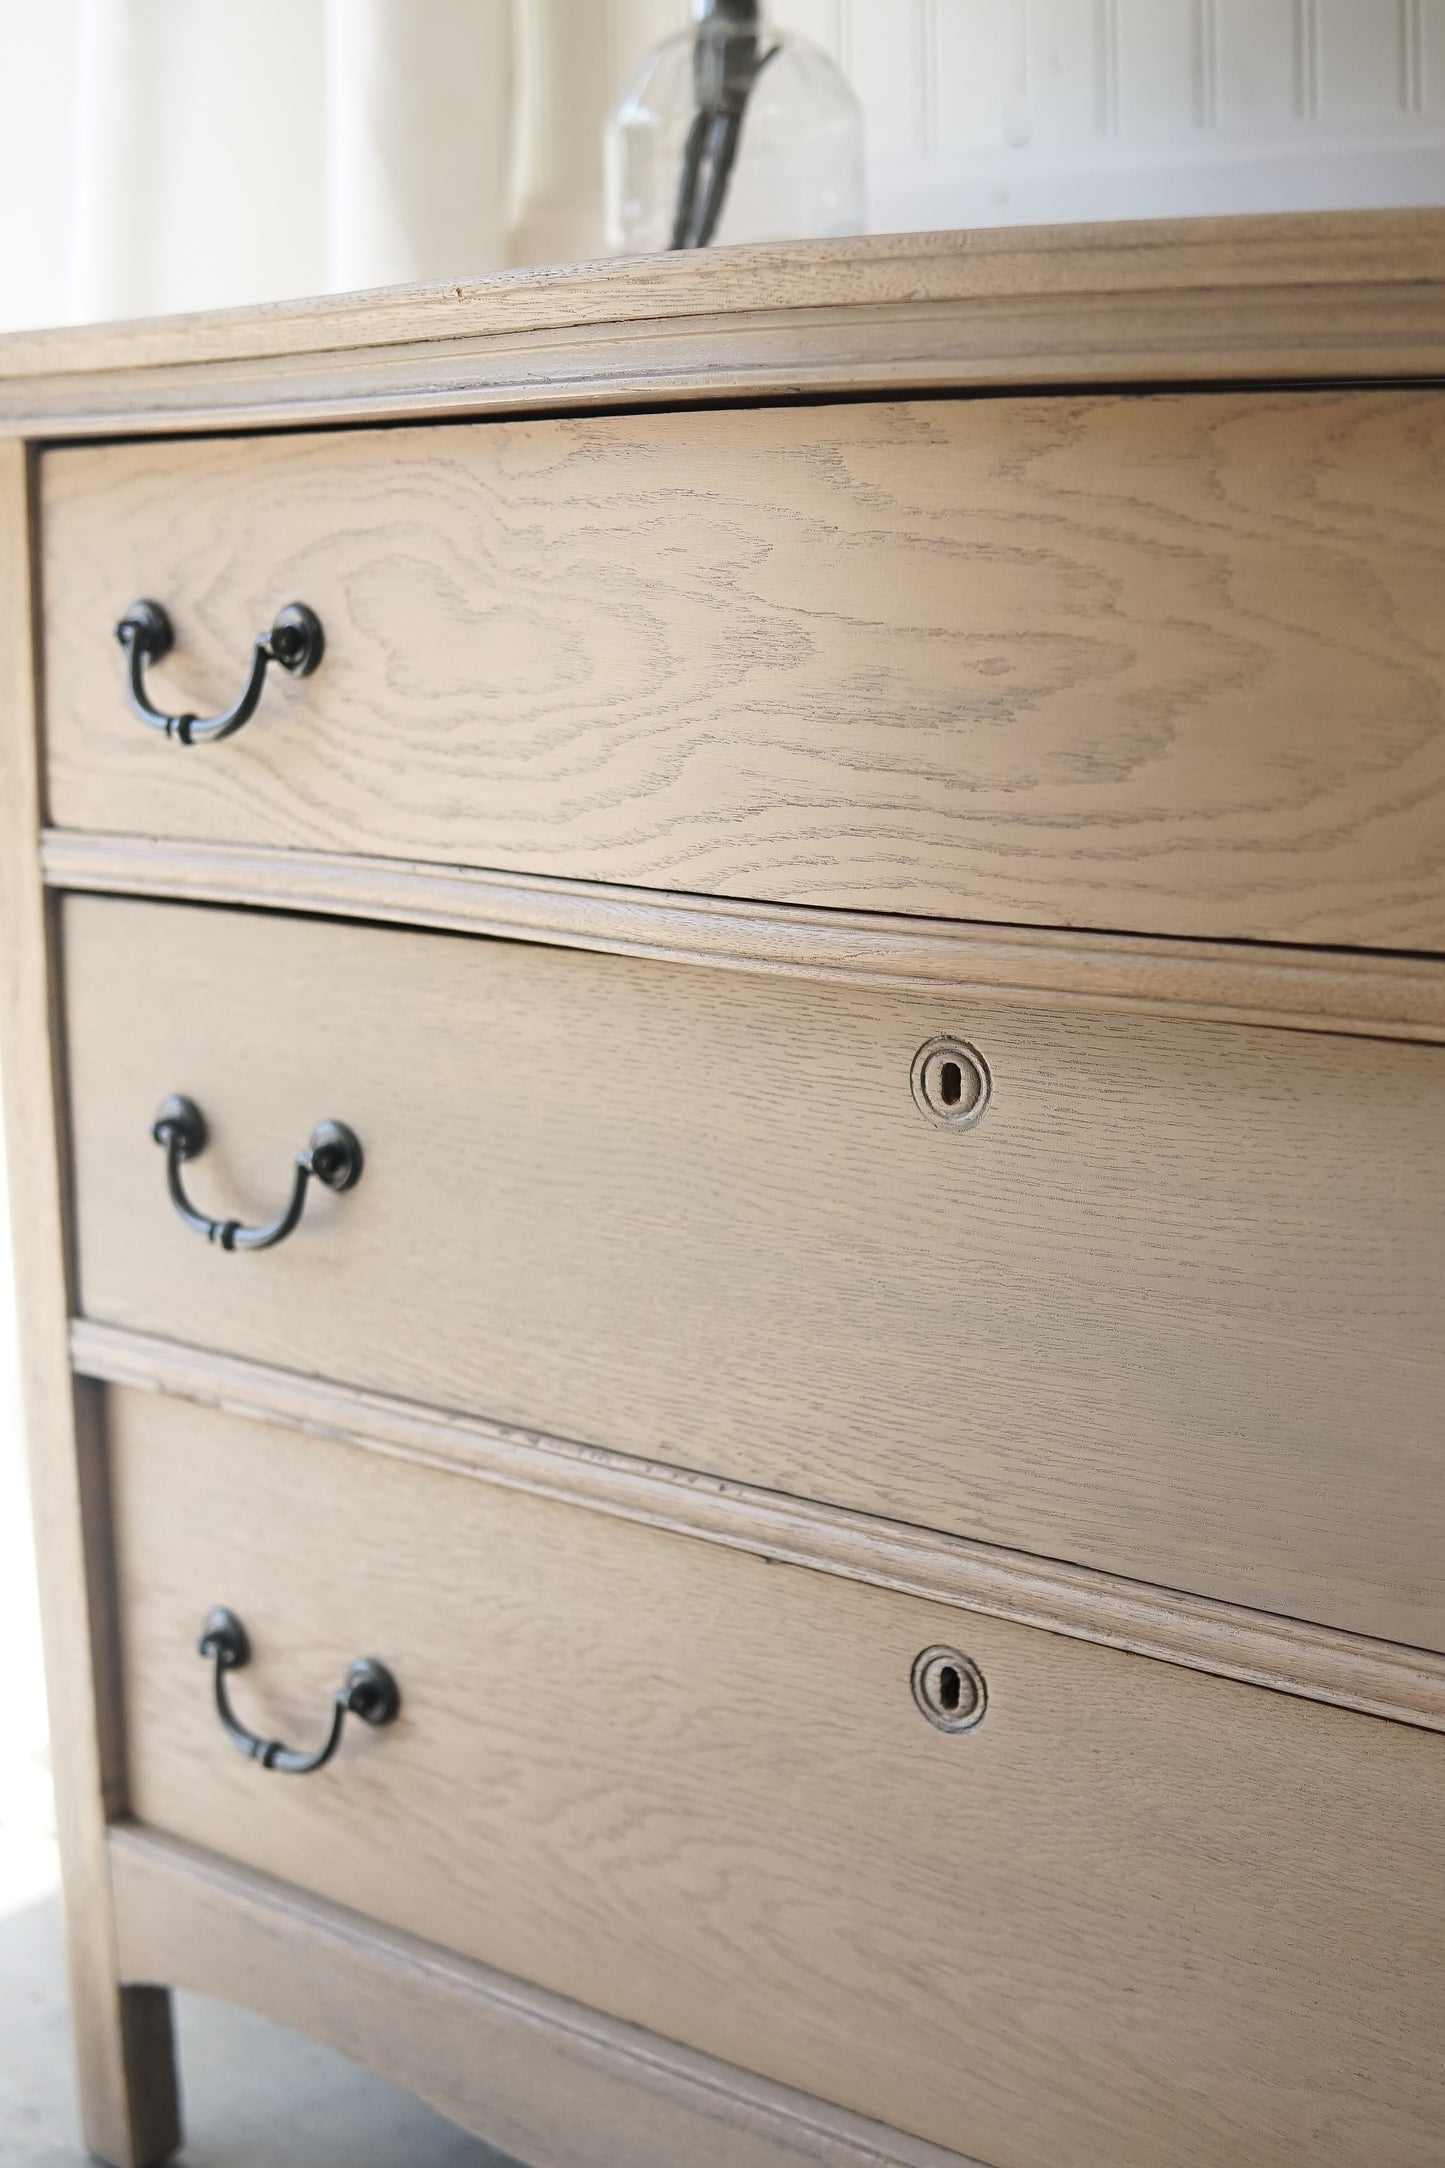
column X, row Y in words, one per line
column 542, row 2079
column 1359, row 992
column 1138, row 1914
column 1032, row 661
column 1282, row 259
column 1253, row 1863
column 123, row 2039
column 1313, row 297
column 1376, row 1678
column 1140, row 1318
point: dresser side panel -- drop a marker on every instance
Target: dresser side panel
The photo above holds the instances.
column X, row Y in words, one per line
column 123, row 2037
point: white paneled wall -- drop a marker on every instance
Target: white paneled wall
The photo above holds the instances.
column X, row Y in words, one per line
column 160, row 154
column 990, row 111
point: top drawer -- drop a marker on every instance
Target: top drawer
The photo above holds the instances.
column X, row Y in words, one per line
column 1162, row 663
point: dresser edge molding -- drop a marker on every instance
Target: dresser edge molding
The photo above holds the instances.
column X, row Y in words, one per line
column 1283, row 1655
column 1293, row 296
column 1359, row 992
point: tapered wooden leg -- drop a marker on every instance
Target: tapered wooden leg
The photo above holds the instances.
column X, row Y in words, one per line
column 122, row 2035
column 125, row 2069
column 124, row 2050
column 125, row 2063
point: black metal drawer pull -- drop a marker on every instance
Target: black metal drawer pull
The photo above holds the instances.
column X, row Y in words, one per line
column 295, row 641
column 333, row 1156
column 368, row 1691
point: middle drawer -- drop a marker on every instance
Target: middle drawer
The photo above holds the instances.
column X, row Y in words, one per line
column 1169, row 1309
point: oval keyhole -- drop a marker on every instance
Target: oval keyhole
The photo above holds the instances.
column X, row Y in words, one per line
column 951, row 1083
column 948, row 1687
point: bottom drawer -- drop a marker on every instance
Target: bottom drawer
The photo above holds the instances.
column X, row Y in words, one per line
column 1134, row 1915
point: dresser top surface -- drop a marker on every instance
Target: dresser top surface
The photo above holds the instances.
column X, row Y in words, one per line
column 1292, row 296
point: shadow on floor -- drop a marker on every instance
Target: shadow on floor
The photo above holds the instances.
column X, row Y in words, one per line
column 256, row 2096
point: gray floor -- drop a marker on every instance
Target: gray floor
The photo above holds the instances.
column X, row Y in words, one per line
column 256, row 2097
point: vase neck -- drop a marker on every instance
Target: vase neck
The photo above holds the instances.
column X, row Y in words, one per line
column 745, row 14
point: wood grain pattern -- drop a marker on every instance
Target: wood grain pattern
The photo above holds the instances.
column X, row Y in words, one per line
column 123, row 2039
column 1272, row 254
column 1291, row 1656
column 1319, row 296
column 1360, row 992
column 543, row 2079
column 1140, row 1319
column 1139, row 1914
column 1167, row 665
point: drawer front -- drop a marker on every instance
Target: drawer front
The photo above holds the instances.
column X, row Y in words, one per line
column 1165, row 663
column 1136, row 1915
column 1171, row 1308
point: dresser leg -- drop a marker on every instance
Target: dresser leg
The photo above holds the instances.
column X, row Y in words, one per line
column 126, row 2073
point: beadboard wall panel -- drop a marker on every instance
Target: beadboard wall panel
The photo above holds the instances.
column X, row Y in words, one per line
column 950, row 76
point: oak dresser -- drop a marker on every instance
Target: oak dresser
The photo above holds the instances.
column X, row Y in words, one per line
column 724, row 1006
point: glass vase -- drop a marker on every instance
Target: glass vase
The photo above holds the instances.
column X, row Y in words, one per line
column 733, row 131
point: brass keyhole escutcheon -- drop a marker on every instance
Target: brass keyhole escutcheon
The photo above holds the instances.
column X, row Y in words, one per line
column 951, row 1083
column 948, row 1687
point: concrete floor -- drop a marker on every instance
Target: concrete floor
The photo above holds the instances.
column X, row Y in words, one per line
column 256, row 2097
